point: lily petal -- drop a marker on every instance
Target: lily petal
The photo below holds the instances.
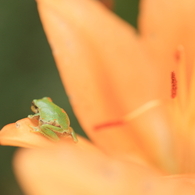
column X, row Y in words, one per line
column 108, row 3
column 164, row 25
column 106, row 73
column 70, row 170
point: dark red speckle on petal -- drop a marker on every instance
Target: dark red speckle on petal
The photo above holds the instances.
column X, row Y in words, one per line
column 173, row 85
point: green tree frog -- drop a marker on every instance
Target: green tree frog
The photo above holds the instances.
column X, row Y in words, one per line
column 53, row 120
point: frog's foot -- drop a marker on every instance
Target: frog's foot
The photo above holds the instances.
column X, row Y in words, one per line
column 73, row 134
column 49, row 133
column 46, row 132
column 30, row 116
column 35, row 129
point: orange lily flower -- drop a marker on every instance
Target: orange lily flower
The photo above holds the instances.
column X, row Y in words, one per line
column 133, row 95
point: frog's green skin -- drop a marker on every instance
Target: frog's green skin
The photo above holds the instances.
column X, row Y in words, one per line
column 53, row 120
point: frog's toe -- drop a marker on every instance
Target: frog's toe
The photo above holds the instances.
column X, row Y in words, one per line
column 34, row 129
column 74, row 136
column 30, row 116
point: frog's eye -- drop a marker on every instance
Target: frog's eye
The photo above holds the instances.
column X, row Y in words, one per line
column 34, row 108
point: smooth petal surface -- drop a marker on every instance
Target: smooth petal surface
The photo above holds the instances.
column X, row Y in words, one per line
column 70, row 170
column 164, row 25
column 104, row 69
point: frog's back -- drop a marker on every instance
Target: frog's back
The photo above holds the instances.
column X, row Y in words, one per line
column 50, row 112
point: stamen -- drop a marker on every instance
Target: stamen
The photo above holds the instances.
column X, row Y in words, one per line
column 109, row 124
column 142, row 109
column 134, row 114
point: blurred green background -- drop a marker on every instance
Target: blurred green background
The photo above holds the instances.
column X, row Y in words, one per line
column 28, row 71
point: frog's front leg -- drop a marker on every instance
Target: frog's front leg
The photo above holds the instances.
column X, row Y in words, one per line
column 47, row 132
column 33, row 115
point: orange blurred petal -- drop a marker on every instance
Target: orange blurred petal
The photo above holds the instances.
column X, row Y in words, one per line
column 70, row 170
column 108, row 3
column 104, row 69
column 165, row 25
column 181, row 76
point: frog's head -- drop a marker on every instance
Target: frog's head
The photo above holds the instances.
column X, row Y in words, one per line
column 39, row 103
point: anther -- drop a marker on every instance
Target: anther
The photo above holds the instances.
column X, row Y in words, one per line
column 173, row 85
